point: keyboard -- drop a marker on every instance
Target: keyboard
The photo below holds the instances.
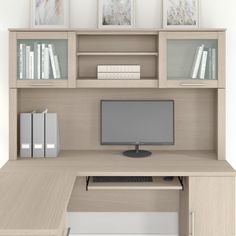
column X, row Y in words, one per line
column 123, row 179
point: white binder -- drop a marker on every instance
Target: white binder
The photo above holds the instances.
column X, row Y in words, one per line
column 52, row 140
column 26, row 135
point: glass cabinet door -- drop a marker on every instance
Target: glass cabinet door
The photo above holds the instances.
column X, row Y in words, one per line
column 189, row 60
column 42, row 59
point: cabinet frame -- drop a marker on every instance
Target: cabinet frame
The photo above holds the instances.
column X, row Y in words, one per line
column 163, row 43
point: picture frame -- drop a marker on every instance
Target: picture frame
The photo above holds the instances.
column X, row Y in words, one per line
column 125, row 17
column 49, row 13
column 180, row 14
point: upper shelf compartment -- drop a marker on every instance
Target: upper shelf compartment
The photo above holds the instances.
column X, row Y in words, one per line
column 192, row 59
column 40, row 59
column 119, row 49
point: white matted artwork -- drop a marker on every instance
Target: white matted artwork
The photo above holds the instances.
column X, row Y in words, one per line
column 49, row 13
column 115, row 13
column 180, row 13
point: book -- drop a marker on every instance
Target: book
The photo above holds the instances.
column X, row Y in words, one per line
column 52, row 60
column 118, row 75
column 209, row 63
column 46, row 63
column 42, row 61
column 203, row 65
column 197, row 61
column 214, row 63
column 37, row 52
column 22, row 54
column 27, row 62
column 31, row 66
column 118, row 68
column 58, row 71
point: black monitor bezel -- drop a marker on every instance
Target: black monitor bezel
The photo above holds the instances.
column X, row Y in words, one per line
column 134, row 143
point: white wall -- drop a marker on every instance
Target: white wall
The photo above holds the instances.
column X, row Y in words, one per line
column 83, row 13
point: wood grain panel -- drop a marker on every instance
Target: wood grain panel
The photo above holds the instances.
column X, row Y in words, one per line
column 212, row 200
column 12, row 60
column 117, row 43
column 221, row 134
column 79, row 114
column 113, row 163
column 121, row 200
column 13, row 128
column 35, row 204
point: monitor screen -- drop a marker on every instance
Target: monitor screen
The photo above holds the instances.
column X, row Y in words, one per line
column 137, row 122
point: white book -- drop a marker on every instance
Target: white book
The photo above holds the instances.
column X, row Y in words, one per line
column 27, row 62
column 118, row 75
column 52, row 59
column 203, row 65
column 21, row 61
column 209, row 64
column 58, row 71
column 118, row 68
column 43, row 65
column 38, row 61
column 46, row 63
column 31, row 65
column 197, row 61
column 213, row 63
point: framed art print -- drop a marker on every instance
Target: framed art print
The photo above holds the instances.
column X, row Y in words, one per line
column 180, row 13
column 115, row 13
column 49, row 13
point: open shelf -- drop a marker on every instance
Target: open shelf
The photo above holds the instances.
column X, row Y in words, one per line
column 158, row 183
column 97, row 83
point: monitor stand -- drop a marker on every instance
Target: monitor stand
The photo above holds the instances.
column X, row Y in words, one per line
column 137, row 153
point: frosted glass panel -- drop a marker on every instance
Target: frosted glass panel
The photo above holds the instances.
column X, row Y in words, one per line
column 42, row 59
column 185, row 59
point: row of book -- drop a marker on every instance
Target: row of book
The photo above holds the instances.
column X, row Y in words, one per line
column 38, row 62
column 39, row 135
column 205, row 63
column 118, row 71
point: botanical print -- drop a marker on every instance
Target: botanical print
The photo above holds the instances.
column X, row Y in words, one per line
column 117, row 12
column 49, row 12
column 182, row 12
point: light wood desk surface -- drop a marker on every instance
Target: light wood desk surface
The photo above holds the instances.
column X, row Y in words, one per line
column 34, row 194
column 161, row 163
column 33, row 203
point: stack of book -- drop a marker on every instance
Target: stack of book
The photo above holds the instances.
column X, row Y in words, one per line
column 118, row 71
column 39, row 135
column 38, row 62
column 204, row 65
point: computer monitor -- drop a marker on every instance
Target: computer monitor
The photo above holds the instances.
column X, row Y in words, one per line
column 137, row 122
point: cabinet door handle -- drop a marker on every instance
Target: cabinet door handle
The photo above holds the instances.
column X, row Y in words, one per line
column 192, row 223
column 189, row 84
column 38, row 85
column 68, row 232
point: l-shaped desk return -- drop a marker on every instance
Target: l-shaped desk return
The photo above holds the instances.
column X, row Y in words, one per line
column 35, row 194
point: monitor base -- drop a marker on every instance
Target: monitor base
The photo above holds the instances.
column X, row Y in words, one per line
column 137, row 153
